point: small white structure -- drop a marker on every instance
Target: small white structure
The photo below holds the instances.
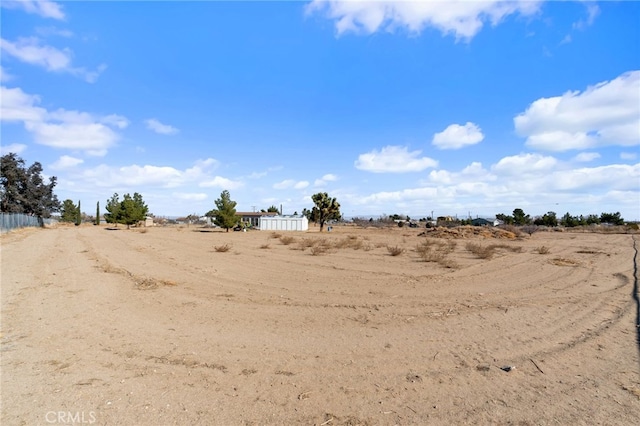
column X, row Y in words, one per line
column 284, row 223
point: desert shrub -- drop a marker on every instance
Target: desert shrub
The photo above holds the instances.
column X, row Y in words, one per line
column 286, row 240
column 514, row 249
column 318, row 250
column 530, row 229
column 513, row 229
column 143, row 230
column 367, row 247
column 395, row 250
column 437, row 251
column 276, row 235
column 306, row 243
column 265, row 246
column 223, row 248
column 380, row 244
column 481, row 252
column 543, row 250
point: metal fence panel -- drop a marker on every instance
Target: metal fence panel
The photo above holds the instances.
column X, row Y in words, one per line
column 9, row 221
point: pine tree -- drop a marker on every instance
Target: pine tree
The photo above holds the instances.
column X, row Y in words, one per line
column 78, row 215
column 225, row 214
column 69, row 211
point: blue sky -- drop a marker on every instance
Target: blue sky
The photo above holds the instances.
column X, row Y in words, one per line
column 454, row 108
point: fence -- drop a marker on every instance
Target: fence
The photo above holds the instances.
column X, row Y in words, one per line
column 9, row 221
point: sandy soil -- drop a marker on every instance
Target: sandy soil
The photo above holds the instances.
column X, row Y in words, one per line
column 158, row 328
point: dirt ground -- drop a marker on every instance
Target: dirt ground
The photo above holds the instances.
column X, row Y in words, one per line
column 164, row 327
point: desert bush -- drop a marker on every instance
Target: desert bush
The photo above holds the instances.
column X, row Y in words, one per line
column 395, row 250
column 143, row 230
column 265, row 246
column 543, row 250
column 223, row 248
column 481, row 252
column 276, row 235
column 306, row 243
column 318, row 250
column 367, row 247
column 530, row 229
column 436, row 251
column 514, row 249
column 287, row 239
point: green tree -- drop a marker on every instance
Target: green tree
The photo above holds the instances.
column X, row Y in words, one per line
column 68, row 212
column 23, row 189
column 273, row 209
column 519, row 218
column 325, row 209
column 132, row 209
column 113, row 209
column 225, row 212
column 97, row 213
column 612, row 218
column 506, row 219
column 569, row 221
column 78, row 214
column 548, row 219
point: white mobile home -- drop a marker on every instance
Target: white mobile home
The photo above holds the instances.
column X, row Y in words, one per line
column 284, row 223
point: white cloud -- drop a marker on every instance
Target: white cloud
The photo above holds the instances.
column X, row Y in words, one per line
column 44, row 8
column 16, row 148
column 585, row 157
column 524, row 164
column 222, row 183
column 163, row 129
column 66, row 162
column 53, row 31
column 31, row 51
column 592, row 12
column 456, row 136
column 393, row 159
column 605, row 114
column 628, row 155
column 4, row 75
column 325, row 179
column 65, row 129
column 290, row 183
column 464, row 19
column 190, row 196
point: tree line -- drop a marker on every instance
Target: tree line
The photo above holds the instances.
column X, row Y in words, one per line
column 519, row 218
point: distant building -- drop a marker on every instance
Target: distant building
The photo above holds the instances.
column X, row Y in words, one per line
column 284, row 223
column 481, row 222
column 253, row 218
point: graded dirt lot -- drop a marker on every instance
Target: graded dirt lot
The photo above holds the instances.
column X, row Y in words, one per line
column 164, row 327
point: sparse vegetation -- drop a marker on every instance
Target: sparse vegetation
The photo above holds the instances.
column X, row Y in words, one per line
column 276, row 235
column 395, row 250
column 287, row 239
column 265, row 246
column 223, row 248
column 543, row 250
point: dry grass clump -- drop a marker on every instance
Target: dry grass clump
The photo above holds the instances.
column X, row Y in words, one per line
column 437, row 251
column 287, row 239
column 488, row 251
column 350, row 241
column 543, row 250
column 275, row 235
column 265, row 246
column 223, row 248
column 317, row 250
column 306, row 243
column 143, row 230
column 482, row 252
column 395, row 250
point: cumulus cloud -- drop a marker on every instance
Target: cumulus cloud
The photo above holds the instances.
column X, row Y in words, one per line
column 592, row 12
column 394, row 159
column 628, row 155
column 64, row 129
column 44, row 8
column 66, row 162
column 605, row 114
column 524, row 163
column 325, row 179
column 16, row 148
column 163, row 129
column 463, row 19
column 222, row 183
column 4, row 75
column 290, row 183
column 190, row 196
column 585, row 157
column 456, row 136
column 31, row 51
